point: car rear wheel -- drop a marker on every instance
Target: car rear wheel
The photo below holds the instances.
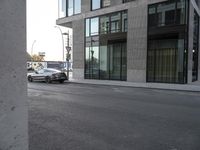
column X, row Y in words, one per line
column 30, row 79
column 48, row 80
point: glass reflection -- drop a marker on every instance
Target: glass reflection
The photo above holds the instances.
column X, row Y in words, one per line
column 96, row 4
column 94, row 26
column 62, row 8
column 115, row 22
column 104, row 24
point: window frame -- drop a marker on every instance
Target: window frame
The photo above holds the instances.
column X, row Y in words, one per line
column 101, row 5
column 155, row 27
column 155, row 5
column 74, row 6
column 109, row 29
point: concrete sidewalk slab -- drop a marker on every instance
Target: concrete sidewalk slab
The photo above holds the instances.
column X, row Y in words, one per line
column 194, row 87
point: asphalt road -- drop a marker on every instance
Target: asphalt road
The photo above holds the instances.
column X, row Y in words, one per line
column 93, row 117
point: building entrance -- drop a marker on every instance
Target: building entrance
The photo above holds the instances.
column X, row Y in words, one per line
column 117, row 59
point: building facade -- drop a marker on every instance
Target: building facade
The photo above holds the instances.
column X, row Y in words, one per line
column 134, row 40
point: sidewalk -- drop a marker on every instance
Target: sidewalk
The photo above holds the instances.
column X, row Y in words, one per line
column 194, row 87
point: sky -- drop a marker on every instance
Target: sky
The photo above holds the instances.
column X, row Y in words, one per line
column 41, row 21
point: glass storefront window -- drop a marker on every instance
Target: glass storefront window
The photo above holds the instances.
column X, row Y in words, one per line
column 92, row 62
column 167, row 49
column 104, row 59
column 87, row 62
column 115, row 61
column 104, row 63
column 165, row 60
column 107, row 62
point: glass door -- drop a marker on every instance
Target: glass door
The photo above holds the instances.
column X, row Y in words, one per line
column 117, row 61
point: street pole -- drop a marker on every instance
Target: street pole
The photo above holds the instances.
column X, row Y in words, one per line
column 32, row 53
column 32, row 48
column 68, row 48
column 63, row 47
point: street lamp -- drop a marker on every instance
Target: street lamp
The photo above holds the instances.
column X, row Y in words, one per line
column 32, row 46
column 32, row 50
column 62, row 41
column 68, row 48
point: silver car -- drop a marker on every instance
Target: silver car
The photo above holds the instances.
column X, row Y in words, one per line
column 48, row 75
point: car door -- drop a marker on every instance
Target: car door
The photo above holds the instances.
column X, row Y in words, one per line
column 39, row 75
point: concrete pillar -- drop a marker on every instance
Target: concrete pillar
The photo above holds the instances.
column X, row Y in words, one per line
column 85, row 6
column 137, row 44
column 78, row 49
column 199, row 51
column 13, row 85
column 190, row 42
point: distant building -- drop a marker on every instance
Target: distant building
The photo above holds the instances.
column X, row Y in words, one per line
column 134, row 40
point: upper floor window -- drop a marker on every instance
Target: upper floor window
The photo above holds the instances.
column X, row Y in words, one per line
column 69, row 7
column 92, row 26
column 97, row 4
column 105, row 3
column 167, row 13
column 110, row 23
column 62, row 8
column 74, row 7
column 125, row 1
column 104, row 24
column 115, row 22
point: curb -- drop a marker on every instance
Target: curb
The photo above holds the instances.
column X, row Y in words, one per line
column 176, row 87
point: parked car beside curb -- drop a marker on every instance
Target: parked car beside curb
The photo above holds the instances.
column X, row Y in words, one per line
column 47, row 75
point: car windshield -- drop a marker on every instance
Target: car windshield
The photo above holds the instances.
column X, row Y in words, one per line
column 51, row 70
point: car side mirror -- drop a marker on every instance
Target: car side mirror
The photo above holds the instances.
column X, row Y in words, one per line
column 36, row 72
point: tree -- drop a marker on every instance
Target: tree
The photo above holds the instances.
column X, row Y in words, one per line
column 37, row 58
